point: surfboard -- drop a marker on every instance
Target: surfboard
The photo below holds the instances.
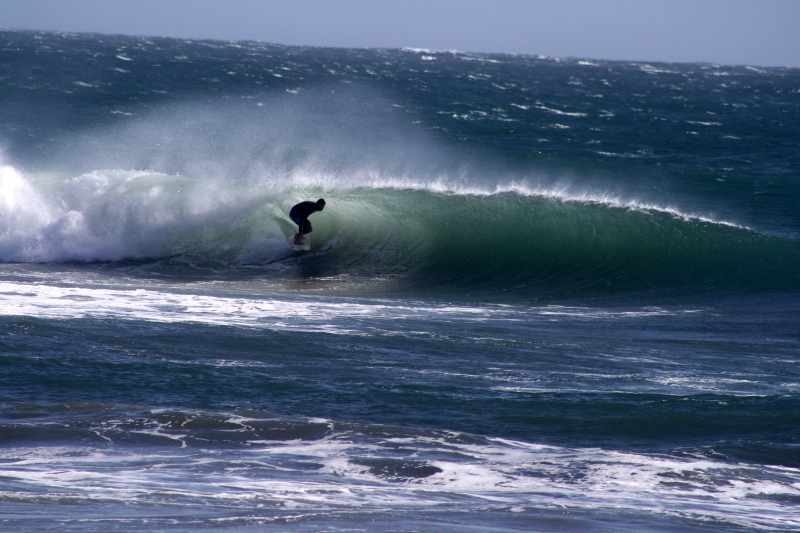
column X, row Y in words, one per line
column 305, row 246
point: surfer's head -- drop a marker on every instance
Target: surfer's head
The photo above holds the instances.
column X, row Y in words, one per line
column 320, row 204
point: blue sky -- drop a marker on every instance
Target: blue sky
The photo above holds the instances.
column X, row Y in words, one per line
column 753, row 32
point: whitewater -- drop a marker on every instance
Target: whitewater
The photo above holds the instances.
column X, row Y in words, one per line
column 544, row 295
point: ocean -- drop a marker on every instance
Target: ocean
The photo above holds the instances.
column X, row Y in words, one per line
column 545, row 295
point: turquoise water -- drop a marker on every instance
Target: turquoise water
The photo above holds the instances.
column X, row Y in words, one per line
column 544, row 295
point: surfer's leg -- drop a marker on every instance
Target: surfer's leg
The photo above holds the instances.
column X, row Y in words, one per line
column 296, row 220
column 301, row 231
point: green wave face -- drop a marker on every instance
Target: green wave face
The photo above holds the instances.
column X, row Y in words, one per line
column 514, row 243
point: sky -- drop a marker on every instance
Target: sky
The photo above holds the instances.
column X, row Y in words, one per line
column 751, row 32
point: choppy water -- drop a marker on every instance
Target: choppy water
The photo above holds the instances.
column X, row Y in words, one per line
column 545, row 294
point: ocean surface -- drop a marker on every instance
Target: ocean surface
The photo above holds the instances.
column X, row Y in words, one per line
column 545, row 295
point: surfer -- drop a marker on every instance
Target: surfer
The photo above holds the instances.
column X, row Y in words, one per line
column 299, row 215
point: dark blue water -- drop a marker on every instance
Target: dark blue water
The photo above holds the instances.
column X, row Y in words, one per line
column 544, row 295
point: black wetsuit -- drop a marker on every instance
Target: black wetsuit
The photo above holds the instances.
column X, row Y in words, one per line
column 299, row 214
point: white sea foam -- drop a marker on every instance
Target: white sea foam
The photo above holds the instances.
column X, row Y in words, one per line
column 115, row 214
column 48, row 301
column 650, row 69
column 339, row 316
column 39, row 298
column 368, row 472
column 428, row 51
column 560, row 112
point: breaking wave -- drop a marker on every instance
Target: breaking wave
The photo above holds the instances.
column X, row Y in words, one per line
column 512, row 238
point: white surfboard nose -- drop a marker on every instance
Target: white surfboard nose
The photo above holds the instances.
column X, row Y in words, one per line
column 305, row 243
